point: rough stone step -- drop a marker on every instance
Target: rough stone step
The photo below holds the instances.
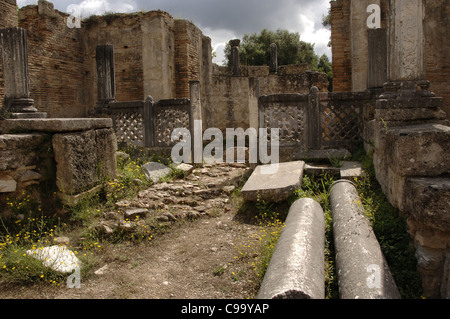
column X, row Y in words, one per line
column 155, row 171
column 416, row 150
column 274, row 184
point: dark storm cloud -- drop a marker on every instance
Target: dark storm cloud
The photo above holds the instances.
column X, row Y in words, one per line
column 240, row 16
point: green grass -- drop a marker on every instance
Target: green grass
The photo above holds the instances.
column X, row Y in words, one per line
column 391, row 231
column 317, row 188
column 389, row 227
column 29, row 226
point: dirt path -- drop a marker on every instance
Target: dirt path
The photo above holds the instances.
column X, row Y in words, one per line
column 196, row 259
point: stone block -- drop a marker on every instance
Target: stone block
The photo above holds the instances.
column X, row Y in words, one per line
column 7, row 184
column 417, row 115
column 155, row 171
column 409, row 103
column 392, row 184
column 18, row 150
column 427, row 200
column 20, row 141
column 45, row 8
column 350, row 170
column 274, row 183
column 106, row 149
column 55, row 125
column 416, row 150
column 186, row 168
column 13, row 159
column 76, row 161
column 84, row 158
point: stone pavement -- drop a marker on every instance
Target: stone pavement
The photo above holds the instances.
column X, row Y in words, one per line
column 204, row 192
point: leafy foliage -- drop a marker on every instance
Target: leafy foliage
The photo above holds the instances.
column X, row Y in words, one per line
column 255, row 50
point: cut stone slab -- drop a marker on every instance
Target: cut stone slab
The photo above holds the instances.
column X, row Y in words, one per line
column 351, row 170
column 316, row 170
column 274, row 185
column 186, row 168
column 155, row 171
column 55, row 125
column 341, row 154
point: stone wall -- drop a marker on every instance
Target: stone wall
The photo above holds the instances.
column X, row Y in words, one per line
column 341, row 46
column 128, row 64
column 154, row 54
column 349, row 39
column 231, row 96
column 436, row 28
column 188, row 55
column 158, row 55
column 8, row 18
column 56, row 62
column 65, row 157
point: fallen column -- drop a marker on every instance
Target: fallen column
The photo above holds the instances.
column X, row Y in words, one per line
column 363, row 272
column 296, row 269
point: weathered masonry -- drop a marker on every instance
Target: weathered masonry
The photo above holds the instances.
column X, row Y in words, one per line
column 353, row 44
column 153, row 54
column 404, row 64
column 67, row 157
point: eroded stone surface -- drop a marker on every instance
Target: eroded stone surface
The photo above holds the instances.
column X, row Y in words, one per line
column 274, row 184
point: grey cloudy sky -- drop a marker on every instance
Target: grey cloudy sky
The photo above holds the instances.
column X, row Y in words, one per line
column 224, row 20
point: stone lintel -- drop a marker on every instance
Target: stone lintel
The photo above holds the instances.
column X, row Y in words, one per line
column 54, row 125
column 410, row 102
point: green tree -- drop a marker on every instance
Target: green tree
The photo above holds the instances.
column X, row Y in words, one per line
column 326, row 67
column 255, row 49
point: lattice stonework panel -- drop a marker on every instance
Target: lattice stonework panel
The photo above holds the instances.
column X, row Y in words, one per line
column 129, row 127
column 341, row 124
column 290, row 119
column 167, row 120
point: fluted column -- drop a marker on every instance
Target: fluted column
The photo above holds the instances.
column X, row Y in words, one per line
column 13, row 43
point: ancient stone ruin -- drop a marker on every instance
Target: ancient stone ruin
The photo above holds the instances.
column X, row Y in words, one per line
column 69, row 96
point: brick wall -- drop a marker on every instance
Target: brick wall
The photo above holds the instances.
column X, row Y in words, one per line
column 8, row 18
column 341, row 49
column 188, row 54
column 124, row 33
column 56, row 63
column 437, row 51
